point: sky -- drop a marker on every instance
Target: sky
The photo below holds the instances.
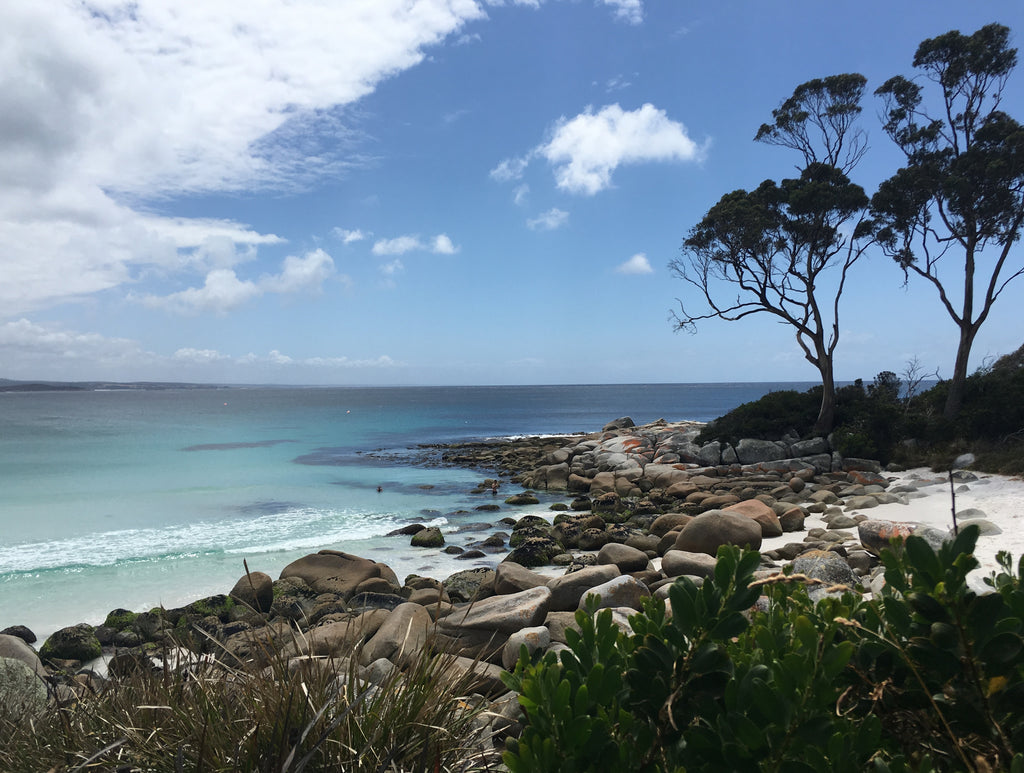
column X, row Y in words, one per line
column 385, row 192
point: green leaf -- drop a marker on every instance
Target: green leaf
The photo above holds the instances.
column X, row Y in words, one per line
column 1002, row 650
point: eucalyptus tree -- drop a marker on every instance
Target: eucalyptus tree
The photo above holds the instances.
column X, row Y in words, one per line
column 785, row 249
column 954, row 213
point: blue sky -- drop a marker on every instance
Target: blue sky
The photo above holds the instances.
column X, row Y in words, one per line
column 425, row 191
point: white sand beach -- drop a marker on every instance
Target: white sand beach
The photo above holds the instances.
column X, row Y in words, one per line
column 997, row 499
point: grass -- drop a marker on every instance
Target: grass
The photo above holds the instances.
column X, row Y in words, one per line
column 310, row 714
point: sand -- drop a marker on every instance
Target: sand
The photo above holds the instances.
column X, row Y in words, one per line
column 996, row 498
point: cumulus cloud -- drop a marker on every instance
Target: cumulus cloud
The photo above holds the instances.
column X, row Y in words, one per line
column 442, row 245
column 548, row 221
column 223, row 290
column 307, row 273
column 400, row 245
column 638, row 264
column 107, row 107
column 585, row 150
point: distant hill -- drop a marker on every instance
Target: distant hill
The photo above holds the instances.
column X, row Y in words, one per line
column 10, row 385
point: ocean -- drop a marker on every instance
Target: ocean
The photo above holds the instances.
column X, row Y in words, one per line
column 141, row 498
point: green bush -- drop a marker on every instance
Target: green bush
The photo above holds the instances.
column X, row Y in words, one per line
column 930, row 676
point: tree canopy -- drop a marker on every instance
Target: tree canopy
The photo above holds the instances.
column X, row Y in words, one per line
column 959, row 201
column 773, row 244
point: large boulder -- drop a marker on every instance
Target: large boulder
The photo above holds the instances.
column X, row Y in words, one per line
column 760, row 512
column 255, row 590
column 624, row 422
column 470, row 584
column 22, row 693
column 16, row 648
column 681, row 562
column 750, row 451
column 567, row 590
column 825, row 565
column 876, row 535
column 714, row 528
column 331, row 571
column 535, row 551
column 503, row 614
column 621, row 591
column 77, row 642
column 402, row 635
column 510, row 577
column 624, row 557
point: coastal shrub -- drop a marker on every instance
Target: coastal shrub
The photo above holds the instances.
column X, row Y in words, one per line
column 768, row 418
column 941, row 665
column 318, row 717
column 927, row 677
column 702, row 688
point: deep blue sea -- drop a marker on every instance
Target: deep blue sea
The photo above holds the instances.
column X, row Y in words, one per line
column 139, row 498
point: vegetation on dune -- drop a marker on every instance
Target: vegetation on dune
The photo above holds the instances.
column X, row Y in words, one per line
column 890, row 421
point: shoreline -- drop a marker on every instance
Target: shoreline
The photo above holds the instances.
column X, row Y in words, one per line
column 924, row 500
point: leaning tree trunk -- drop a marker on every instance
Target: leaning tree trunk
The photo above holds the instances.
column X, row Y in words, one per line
column 957, row 384
column 827, row 412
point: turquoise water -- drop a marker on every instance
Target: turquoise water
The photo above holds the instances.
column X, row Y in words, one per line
column 139, row 498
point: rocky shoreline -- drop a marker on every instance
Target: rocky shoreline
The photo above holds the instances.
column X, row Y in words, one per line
column 645, row 505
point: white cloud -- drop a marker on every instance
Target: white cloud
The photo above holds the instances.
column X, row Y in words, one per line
column 200, row 356
column 549, row 221
column 587, row 149
column 32, row 351
column 347, row 236
column 638, row 264
column 298, row 274
column 397, row 246
column 108, row 106
column 630, row 11
column 392, row 268
column 223, row 291
column 400, row 245
column 442, row 245
column 510, row 169
column 521, row 194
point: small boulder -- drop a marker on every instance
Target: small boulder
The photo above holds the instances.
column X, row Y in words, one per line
column 621, row 591
column 535, row 639
column 431, row 537
column 626, row 558
column 676, row 563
